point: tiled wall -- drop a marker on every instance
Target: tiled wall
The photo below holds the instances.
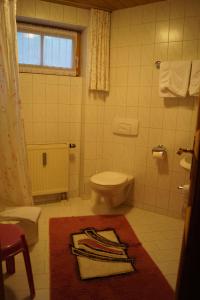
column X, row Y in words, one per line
column 52, row 104
column 168, row 30
column 93, row 135
column 52, row 114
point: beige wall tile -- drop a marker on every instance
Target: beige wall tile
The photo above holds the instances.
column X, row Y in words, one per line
column 147, row 32
column 39, row 133
column 75, row 113
column 51, row 93
column 39, row 112
column 63, row 132
column 70, row 14
column 192, row 8
column 42, row 10
column 145, row 96
column 28, row 126
column 52, row 113
column 27, row 112
column 83, row 17
column 162, row 32
column 133, row 95
column 148, row 13
column 63, row 113
column 176, row 30
column 74, row 131
column 161, row 51
column 162, row 199
column 147, row 55
column 146, row 76
column 177, row 9
column 156, row 117
column 175, row 50
column 191, row 28
column 27, row 8
column 134, row 75
column 162, row 11
column 64, row 93
column 190, row 50
column 124, row 17
column 56, row 12
column 136, row 15
column 51, row 132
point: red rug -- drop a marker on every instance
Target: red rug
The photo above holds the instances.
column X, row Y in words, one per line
column 146, row 282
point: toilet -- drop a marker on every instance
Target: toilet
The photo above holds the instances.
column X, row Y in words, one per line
column 113, row 188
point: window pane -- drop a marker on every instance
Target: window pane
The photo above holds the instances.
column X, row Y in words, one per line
column 58, row 52
column 29, row 48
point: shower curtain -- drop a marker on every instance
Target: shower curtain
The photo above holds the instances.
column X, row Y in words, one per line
column 15, row 188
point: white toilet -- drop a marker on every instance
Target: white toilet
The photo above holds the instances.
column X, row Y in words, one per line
column 113, row 187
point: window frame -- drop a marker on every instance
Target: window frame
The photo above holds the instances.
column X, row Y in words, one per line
column 54, row 32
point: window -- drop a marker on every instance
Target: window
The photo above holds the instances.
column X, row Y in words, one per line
column 47, row 50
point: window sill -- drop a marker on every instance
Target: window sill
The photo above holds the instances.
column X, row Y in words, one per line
column 47, row 70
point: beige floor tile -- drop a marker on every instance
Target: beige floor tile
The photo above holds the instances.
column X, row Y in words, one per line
column 169, row 267
column 160, row 235
column 171, row 278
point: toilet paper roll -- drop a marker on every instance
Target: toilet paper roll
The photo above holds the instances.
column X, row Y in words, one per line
column 158, row 154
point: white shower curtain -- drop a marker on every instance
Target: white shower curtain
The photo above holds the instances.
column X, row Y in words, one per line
column 99, row 50
column 14, row 181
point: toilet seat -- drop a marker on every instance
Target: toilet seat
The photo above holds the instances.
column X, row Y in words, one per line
column 109, row 178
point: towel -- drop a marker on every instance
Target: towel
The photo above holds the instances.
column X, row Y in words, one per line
column 194, row 88
column 174, row 78
column 28, row 213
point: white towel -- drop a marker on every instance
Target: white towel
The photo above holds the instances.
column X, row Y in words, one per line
column 174, row 78
column 28, row 213
column 194, row 88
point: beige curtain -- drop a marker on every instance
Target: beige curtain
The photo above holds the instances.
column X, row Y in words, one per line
column 14, row 181
column 99, row 50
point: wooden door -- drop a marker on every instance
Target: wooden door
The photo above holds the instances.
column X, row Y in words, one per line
column 188, row 283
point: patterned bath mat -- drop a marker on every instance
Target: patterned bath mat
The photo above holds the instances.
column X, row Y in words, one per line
column 100, row 258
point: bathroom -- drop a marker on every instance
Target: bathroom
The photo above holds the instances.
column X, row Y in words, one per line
column 59, row 109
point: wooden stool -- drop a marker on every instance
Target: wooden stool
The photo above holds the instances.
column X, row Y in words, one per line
column 12, row 242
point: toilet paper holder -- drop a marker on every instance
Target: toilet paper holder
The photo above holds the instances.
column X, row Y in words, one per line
column 160, row 148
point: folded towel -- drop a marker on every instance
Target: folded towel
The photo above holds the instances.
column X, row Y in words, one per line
column 28, row 213
column 194, row 88
column 174, row 78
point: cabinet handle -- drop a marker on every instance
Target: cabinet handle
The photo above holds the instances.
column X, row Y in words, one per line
column 44, row 159
column 72, row 145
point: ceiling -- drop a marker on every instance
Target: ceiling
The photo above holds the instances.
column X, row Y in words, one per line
column 109, row 5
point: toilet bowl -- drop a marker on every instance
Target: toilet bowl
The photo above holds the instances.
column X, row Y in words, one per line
column 113, row 187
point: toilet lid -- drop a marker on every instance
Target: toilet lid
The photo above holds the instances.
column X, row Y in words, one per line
column 109, row 178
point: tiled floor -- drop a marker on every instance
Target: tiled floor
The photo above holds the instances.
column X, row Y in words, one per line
column 160, row 235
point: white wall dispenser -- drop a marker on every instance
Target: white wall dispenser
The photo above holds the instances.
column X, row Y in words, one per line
column 125, row 126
